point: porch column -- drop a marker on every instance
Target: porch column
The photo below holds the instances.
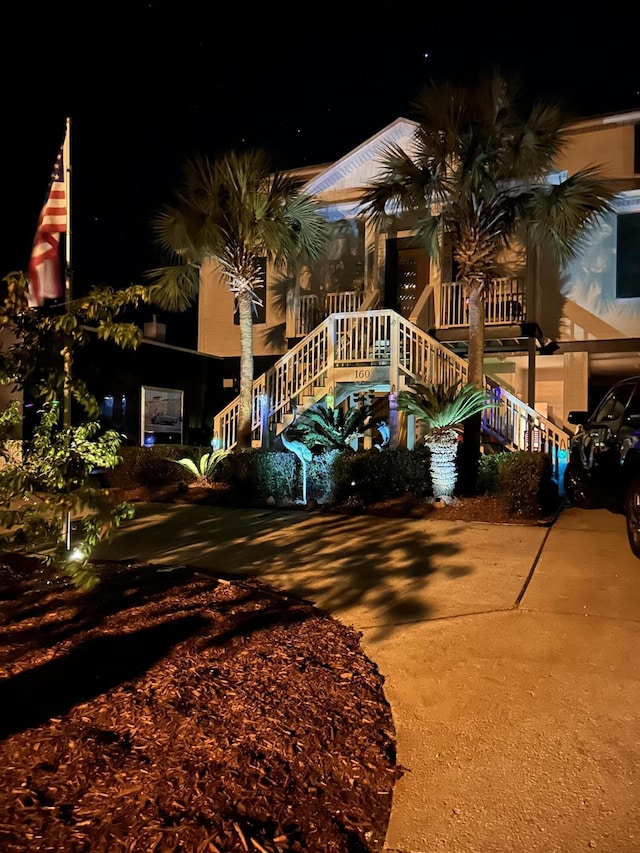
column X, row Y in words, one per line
column 531, row 373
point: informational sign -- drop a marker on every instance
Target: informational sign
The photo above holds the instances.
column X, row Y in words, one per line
column 161, row 415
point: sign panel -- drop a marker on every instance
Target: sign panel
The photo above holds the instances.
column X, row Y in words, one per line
column 371, row 375
column 161, row 415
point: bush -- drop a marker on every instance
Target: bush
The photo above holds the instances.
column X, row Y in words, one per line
column 321, row 476
column 151, row 466
column 488, row 470
column 369, row 476
column 525, row 484
column 254, row 474
column 274, row 474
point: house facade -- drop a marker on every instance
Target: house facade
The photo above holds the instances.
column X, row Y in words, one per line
column 555, row 339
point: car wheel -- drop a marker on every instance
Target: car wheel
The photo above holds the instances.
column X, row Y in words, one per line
column 632, row 512
column 576, row 490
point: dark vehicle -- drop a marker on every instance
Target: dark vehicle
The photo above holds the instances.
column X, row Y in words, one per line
column 604, row 457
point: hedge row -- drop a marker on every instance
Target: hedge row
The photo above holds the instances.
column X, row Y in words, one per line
column 522, row 480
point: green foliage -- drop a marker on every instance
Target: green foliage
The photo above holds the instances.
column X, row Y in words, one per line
column 237, row 211
column 322, row 428
column 488, row 469
column 369, row 476
column 50, row 486
column 254, row 474
column 320, row 476
column 274, row 475
column 443, row 407
column 525, row 484
column 257, row 474
column 151, row 466
column 44, row 337
column 47, row 494
column 203, row 468
column 476, row 170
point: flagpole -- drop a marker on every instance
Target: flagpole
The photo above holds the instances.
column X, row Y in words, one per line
column 66, row 412
column 67, row 274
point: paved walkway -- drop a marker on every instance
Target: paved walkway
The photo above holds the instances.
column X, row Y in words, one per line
column 510, row 655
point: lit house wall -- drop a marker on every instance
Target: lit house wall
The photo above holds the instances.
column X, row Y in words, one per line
column 603, row 142
column 219, row 335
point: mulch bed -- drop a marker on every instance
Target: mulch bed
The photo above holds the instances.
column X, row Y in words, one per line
column 483, row 508
column 171, row 711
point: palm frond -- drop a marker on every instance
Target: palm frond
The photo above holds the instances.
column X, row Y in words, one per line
column 174, row 288
column 204, row 467
column 322, row 426
column 563, row 213
column 443, row 407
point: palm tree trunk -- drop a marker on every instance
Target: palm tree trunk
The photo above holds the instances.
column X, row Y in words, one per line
column 476, row 333
column 245, row 315
column 442, row 464
column 473, row 426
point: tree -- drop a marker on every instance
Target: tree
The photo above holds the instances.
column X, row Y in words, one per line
column 443, row 408
column 322, row 428
column 477, row 173
column 45, row 479
column 237, row 212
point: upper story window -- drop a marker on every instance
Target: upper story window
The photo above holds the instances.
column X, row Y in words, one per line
column 628, row 256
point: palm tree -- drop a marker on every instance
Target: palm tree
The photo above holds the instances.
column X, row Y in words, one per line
column 477, row 173
column 443, row 408
column 322, row 428
column 236, row 211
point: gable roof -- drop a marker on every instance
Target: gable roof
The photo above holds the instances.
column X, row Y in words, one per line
column 359, row 167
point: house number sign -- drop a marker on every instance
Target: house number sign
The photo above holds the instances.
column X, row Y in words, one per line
column 374, row 375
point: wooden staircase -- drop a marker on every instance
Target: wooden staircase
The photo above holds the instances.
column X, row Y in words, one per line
column 377, row 351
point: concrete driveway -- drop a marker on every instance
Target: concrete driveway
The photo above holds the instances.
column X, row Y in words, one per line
column 510, row 655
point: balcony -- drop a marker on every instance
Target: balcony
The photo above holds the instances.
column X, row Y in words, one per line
column 444, row 306
column 309, row 310
column 505, row 304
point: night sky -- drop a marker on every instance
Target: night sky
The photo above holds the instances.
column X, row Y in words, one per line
column 149, row 84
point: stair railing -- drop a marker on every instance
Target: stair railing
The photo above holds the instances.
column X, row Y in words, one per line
column 299, row 369
column 384, row 338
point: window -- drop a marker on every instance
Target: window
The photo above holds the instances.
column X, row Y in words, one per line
column 259, row 311
column 634, row 406
column 613, row 406
column 628, row 256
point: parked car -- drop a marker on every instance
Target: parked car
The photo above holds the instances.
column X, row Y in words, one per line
column 604, row 456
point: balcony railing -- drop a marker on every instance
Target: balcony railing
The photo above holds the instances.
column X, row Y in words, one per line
column 309, row 309
column 505, row 303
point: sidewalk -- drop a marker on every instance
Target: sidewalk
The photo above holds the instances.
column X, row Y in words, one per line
column 510, row 657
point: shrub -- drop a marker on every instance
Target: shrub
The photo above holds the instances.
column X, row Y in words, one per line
column 253, row 474
column 368, row 476
column 488, row 468
column 151, row 466
column 525, row 484
column 321, row 477
column 274, row 474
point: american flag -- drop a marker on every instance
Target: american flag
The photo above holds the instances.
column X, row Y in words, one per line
column 45, row 281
